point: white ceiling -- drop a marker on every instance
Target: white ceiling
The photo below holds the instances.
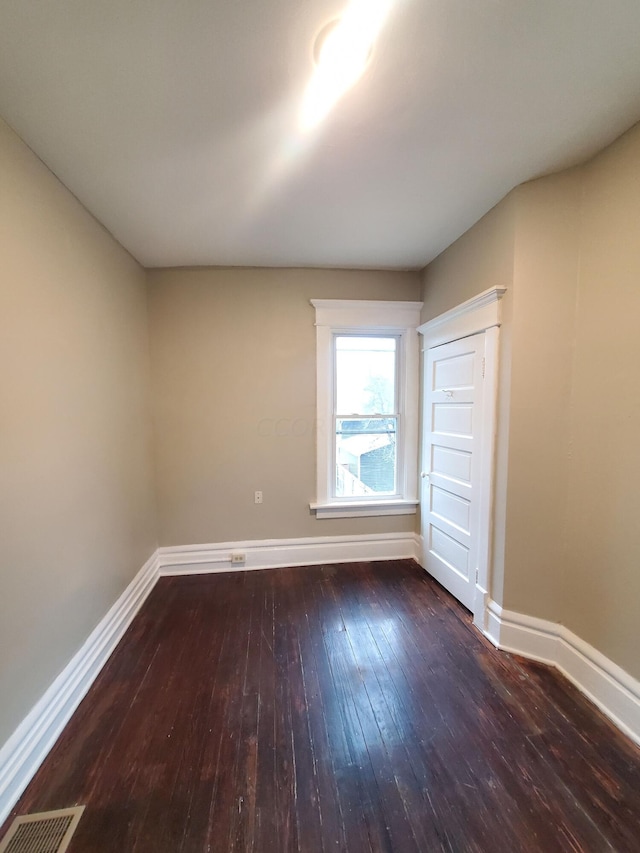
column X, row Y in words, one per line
column 174, row 121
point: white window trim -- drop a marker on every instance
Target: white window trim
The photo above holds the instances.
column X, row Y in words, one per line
column 360, row 317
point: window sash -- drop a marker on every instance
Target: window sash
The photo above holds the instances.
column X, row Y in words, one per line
column 368, row 490
column 394, row 415
column 396, row 368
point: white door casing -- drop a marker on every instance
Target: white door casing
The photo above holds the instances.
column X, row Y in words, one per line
column 475, row 324
column 451, row 460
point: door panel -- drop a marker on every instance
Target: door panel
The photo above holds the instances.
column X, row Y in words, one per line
column 453, row 464
column 451, row 552
column 451, row 459
column 456, row 372
column 453, row 419
column 449, row 507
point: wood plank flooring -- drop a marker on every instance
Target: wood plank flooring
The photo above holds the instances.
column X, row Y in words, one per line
column 336, row 708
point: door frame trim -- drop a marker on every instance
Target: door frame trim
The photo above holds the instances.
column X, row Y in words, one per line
column 480, row 315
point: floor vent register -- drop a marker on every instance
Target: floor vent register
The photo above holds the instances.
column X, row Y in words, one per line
column 45, row 832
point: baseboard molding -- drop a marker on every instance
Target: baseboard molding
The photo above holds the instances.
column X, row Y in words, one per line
column 26, row 749
column 606, row 684
column 279, row 553
column 612, row 689
column 29, row 745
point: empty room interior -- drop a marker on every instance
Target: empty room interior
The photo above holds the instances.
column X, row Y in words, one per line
column 319, row 490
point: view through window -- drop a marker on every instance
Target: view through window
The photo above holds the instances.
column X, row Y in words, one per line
column 366, row 415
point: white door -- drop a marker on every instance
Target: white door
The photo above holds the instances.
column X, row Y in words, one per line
column 451, row 464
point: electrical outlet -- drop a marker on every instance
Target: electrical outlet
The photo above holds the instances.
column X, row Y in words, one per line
column 258, row 497
column 238, row 557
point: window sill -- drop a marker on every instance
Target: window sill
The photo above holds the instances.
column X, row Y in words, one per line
column 356, row 509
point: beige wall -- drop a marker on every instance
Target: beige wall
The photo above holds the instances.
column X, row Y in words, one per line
column 568, row 441
column 483, row 258
column 76, row 504
column 545, row 276
column 602, row 583
column 480, row 259
column 234, row 395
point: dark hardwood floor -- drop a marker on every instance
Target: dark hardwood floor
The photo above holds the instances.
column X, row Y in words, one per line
column 337, row 708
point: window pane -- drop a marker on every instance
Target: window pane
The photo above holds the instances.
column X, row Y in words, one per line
column 365, row 375
column 365, row 456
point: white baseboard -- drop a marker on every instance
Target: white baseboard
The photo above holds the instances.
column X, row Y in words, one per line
column 607, row 685
column 29, row 745
column 278, row 553
column 613, row 690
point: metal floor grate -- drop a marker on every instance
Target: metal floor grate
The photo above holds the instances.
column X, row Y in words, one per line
column 46, row 832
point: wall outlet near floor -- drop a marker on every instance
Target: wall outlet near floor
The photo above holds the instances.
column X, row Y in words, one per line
column 238, row 557
column 257, row 497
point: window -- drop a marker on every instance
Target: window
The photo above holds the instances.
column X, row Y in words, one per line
column 365, row 415
column 367, row 433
